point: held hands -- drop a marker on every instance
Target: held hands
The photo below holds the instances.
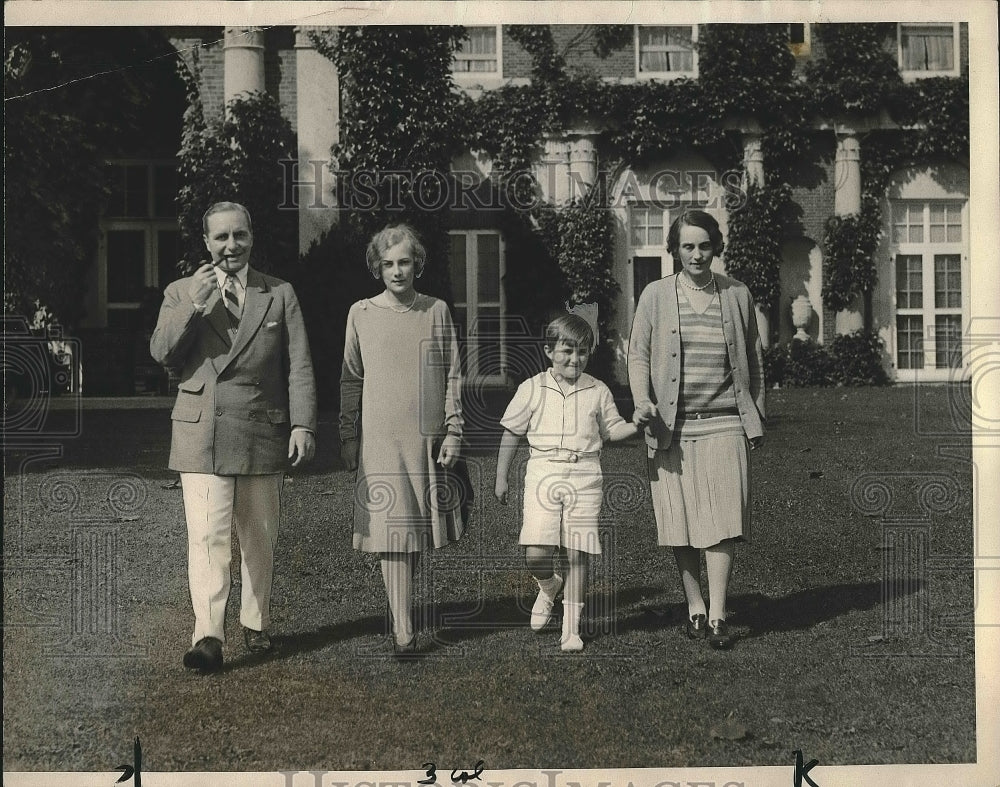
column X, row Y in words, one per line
column 349, row 453
column 203, row 282
column 644, row 414
column 301, row 446
column 500, row 490
column 451, row 447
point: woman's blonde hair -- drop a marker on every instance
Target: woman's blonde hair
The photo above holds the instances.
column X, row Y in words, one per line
column 388, row 237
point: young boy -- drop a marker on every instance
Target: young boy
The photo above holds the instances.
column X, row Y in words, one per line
column 566, row 415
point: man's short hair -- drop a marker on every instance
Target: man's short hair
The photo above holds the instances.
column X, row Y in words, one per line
column 225, row 207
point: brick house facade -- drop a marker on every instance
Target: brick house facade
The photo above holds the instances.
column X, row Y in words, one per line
column 922, row 297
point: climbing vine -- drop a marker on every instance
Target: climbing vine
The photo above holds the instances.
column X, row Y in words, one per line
column 863, row 78
column 756, row 232
column 236, row 157
column 401, row 109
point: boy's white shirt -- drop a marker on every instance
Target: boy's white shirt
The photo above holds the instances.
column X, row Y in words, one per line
column 581, row 419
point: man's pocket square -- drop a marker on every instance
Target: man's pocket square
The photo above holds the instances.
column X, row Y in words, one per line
column 271, row 324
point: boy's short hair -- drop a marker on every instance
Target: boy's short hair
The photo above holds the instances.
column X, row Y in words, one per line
column 569, row 328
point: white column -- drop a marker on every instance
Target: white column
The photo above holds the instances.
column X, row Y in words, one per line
column 847, row 201
column 753, row 161
column 582, row 166
column 552, row 170
column 753, row 158
column 243, row 61
column 847, row 175
column 317, row 112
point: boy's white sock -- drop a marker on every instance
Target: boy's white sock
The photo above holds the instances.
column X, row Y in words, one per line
column 541, row 610
column 571, row 626
column 550, row 587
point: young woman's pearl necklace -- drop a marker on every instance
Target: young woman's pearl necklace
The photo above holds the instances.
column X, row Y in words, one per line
column 686, row 283
column 404, row 311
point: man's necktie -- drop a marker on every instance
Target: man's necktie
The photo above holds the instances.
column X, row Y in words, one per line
column 232, row 302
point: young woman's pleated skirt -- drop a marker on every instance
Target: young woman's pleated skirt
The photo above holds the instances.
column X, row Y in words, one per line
column 701, row 490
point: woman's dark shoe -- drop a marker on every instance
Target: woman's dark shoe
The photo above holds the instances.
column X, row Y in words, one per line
column 696, row 626
column 407, row 650
column 719, row 636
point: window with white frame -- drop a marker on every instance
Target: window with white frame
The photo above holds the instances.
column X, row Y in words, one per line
column 666, row 51
column 648, row 225
column 479, row 55
column 799, row 38
column 647, row 239
column 930, row 278
column 927, row 50
column 477, row 267
column 140, row 239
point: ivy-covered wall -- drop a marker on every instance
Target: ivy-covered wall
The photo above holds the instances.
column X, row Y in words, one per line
column 572, row 77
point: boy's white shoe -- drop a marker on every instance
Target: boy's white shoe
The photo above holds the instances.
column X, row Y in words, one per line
column 541, row 610
column 570, row 640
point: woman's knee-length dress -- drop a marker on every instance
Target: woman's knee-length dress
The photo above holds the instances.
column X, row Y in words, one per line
column 403, row 368
column 700, row 485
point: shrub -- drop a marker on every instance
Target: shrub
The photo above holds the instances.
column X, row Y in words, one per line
column 854, row 359
column 858, row 359
column 328, row 279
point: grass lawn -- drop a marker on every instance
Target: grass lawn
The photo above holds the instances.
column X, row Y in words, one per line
column 853, row 605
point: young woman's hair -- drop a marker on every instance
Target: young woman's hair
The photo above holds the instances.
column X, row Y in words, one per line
column 224, row 207
column 569, row 328
column 388, row 237
column 695, row 218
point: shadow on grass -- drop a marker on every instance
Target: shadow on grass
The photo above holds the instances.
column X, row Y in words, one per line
column 613, row 614
column 806, row 608
column 760, row 614
column 296, row 643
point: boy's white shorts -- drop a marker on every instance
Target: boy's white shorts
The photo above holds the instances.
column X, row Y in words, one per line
column 562, row 504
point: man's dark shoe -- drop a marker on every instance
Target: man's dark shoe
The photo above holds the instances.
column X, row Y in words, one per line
column 256, row 641
column 205, row 656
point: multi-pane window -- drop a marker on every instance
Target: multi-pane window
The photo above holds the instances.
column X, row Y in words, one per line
column 646, row 226
column 479, row 53
column 909, row 342
column 908, row 222
column 928, row 49
column 666, row 50
column 946, row 222
column 948, row 341
column 928, row 238
column 909, row 281
column 947, row 281
column 140, row 239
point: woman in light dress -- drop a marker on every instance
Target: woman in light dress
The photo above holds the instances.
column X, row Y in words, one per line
column 402, row 375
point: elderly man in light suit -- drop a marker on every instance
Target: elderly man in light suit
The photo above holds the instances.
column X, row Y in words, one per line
column 246, row 407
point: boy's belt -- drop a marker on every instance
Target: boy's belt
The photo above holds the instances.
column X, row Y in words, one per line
column 563, row 454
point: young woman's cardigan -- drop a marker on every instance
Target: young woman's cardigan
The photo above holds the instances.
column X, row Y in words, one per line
column 654, row 355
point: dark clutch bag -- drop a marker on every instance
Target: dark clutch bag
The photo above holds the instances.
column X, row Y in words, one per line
column 455, row 488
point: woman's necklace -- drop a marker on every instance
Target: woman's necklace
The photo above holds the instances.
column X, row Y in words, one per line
column 413, row 300
column 686, row 283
